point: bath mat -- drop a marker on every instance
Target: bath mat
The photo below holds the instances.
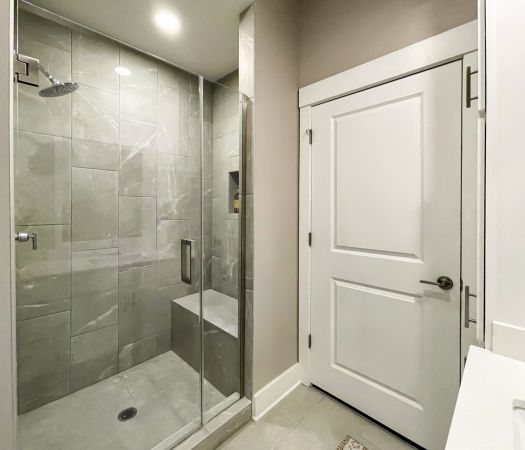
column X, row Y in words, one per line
column 349, row 443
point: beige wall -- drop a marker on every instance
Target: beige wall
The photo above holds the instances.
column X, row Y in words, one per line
column 339, row 34
column 276, row 188
column 7, row 394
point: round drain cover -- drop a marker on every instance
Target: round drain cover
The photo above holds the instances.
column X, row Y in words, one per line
column 127, row 414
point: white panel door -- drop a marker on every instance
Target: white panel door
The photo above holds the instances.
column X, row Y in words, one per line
column 386, row 191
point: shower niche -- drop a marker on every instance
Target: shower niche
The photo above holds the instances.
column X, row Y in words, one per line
column 233, row 192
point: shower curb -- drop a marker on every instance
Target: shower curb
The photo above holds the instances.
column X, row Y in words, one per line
column 215, row 432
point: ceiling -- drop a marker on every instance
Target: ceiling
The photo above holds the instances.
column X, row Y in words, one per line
column 207, row 43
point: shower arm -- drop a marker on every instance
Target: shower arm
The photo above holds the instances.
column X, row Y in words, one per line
column 50, row 77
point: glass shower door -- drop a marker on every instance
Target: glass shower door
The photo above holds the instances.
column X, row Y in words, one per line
column 108, row 212
column 223, row 229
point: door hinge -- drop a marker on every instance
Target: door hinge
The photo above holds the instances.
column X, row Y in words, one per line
column 309, row 341
column 26, row 69
column 309, row 239
column 309, row 132
column 469, row 98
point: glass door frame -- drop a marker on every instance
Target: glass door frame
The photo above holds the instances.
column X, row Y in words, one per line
column 8, row 416
column 8, row 389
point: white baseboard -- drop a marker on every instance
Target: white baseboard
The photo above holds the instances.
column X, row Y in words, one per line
column 508, row 340
column 271, row 394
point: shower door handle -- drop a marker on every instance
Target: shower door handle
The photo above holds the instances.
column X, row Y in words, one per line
column 24, row 237
column 467, row 296
column 186, row 260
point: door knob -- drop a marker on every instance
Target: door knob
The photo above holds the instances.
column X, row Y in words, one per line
column 24, row 237
column 443, row 282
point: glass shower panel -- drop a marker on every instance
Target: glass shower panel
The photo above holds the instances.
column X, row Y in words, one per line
column 108, row 195
column 222, row 211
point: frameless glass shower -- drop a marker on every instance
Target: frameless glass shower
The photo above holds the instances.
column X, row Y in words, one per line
column 129, row 222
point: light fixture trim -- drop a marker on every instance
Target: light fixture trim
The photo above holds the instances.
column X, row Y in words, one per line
column 167, row 21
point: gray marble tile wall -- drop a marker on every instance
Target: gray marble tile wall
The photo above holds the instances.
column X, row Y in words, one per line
column 226, row 162
column 110, row 180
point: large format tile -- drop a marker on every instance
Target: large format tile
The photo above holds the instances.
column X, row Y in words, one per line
column 39, row 29
column 329, row 422
column 43, row 276
column 172, row 187
column 138, row 172
column 225, row 266
column 165, row 390
column 219, row 226
column 94, row 61
column 173, row 120
column 137, row 232
column 195, row 170
column 46, row 115
column 195, row 207
column 169, row 235
column 95, row 115
column 246, row 51
column 95, row 155
column 250, row 144
column 174, row 78
column 308, row 419
column 226, row 106
column 94, row 290
column 138, row 90
column 194, row 97
column 301, row 402
column 137, row 305
column 43, row 360
column 86, row 419
column 227, row 145
column 42, row 179
column 248, row 344
column 249, row 242
column 93, row 357
column 262, row 435
column 137, row 352
column 222, row 167
column 94, row 209
column 194, row 149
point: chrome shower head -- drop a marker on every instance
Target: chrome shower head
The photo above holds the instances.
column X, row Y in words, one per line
column 57, row 89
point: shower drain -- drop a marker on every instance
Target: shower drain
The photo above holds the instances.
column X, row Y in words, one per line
column 127, row 414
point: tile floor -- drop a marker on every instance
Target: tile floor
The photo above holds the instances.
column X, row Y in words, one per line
column 165, row 390
column 310, row 420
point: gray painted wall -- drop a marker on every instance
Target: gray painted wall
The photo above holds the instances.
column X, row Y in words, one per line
column 298, row 43
column 275, row 188
column 339, row 34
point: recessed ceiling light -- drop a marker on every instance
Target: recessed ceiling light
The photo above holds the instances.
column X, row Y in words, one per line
column 167, row 22
column 123, row 71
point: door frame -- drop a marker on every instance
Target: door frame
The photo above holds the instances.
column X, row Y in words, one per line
column 451, row 45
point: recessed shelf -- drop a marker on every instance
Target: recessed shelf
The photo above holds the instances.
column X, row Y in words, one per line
column 233, row 192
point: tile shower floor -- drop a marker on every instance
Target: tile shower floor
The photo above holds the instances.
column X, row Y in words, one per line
column 165, row 391
column 307, row 419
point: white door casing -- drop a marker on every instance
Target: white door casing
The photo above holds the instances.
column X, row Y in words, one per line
column 386, row 174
